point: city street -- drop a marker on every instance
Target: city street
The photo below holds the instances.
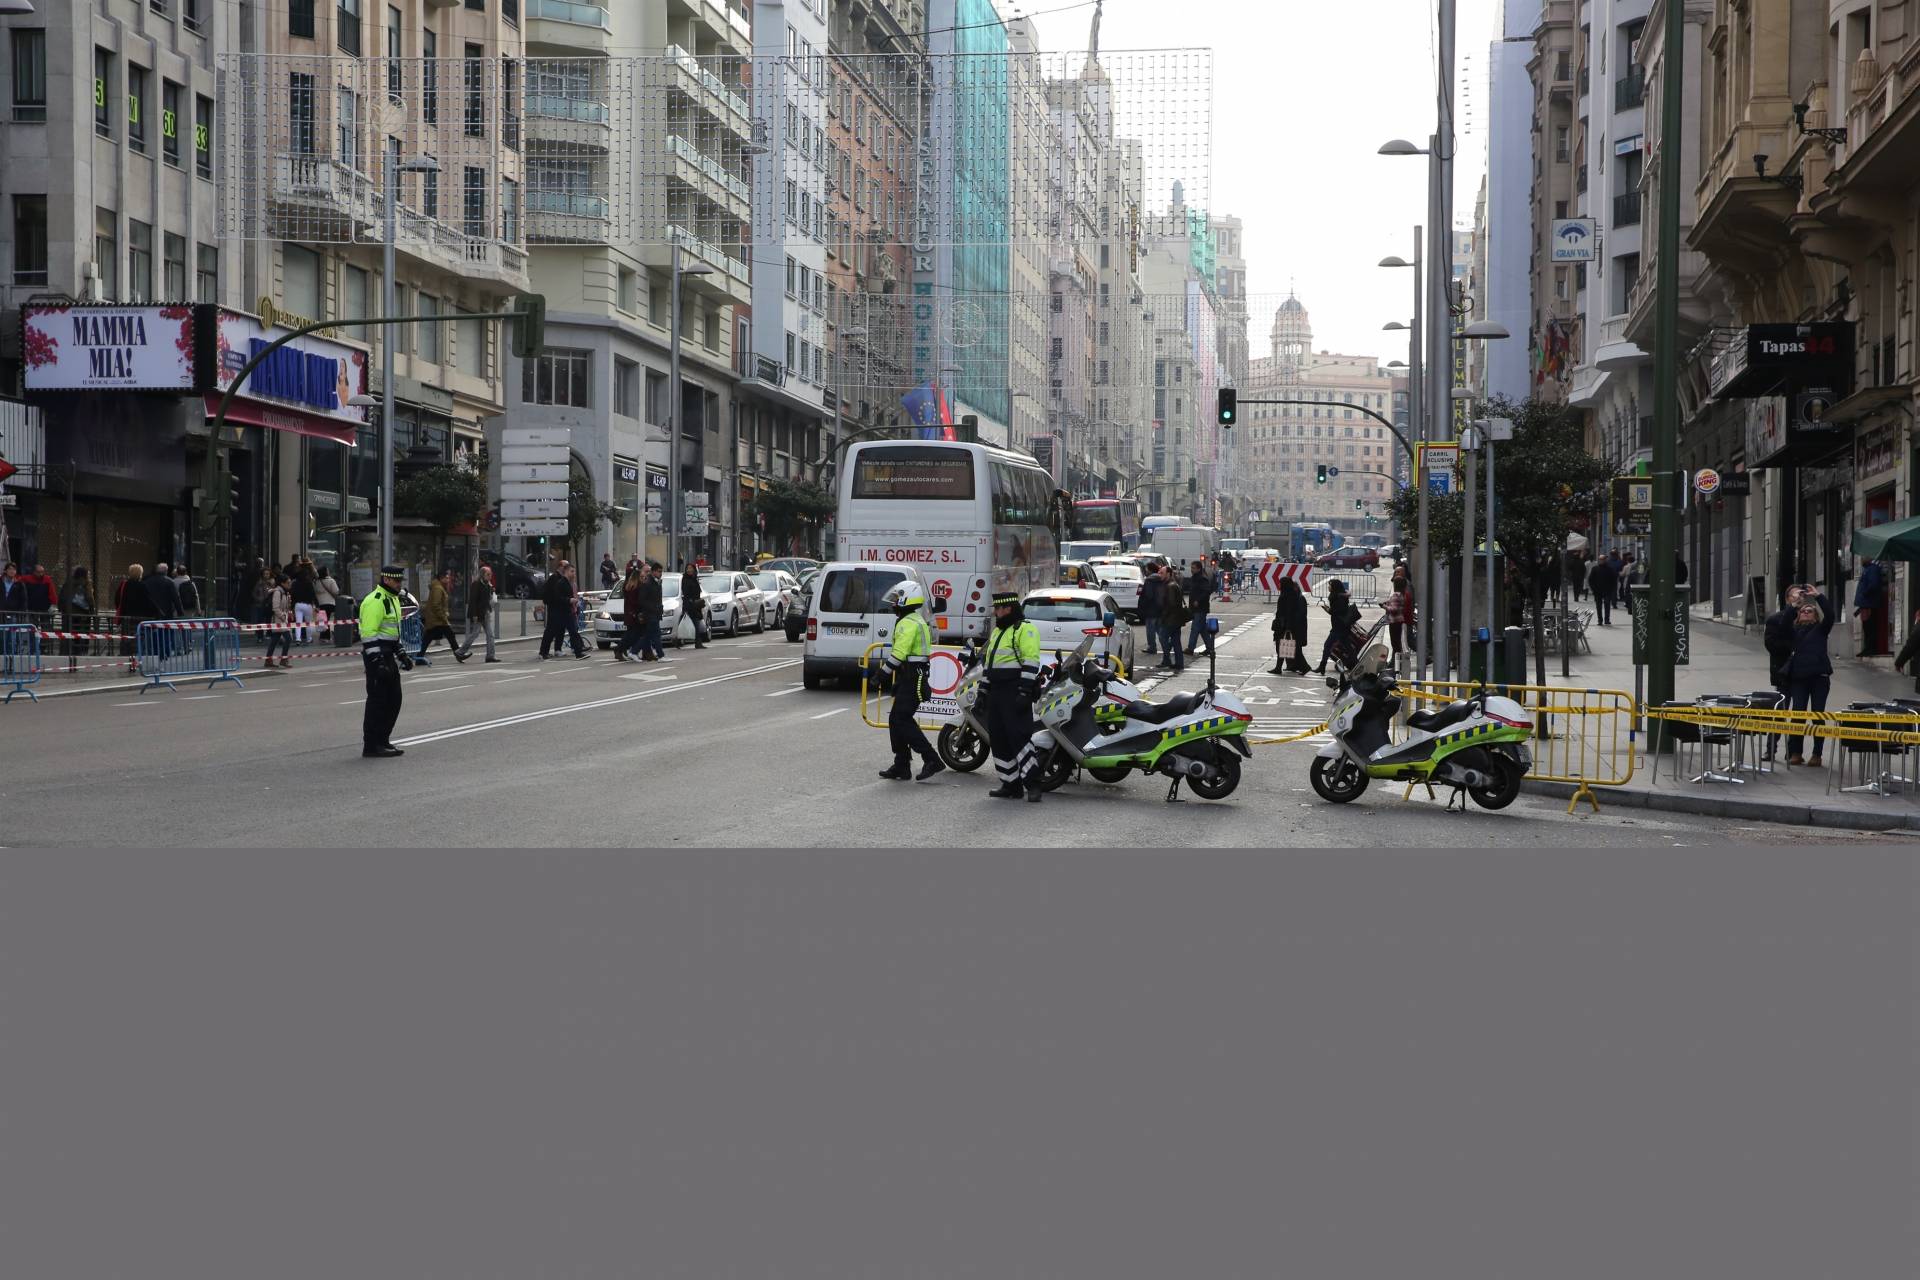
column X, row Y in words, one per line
column 721, row 747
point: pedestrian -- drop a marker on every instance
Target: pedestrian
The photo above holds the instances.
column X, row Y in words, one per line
column 13, row 593
column 161, row 591
column 280, row 620
column 1809, row 669
column 1631, row 572
column 693, row 604
column 259, row 589
column 1869, row 606
column 1153, row 595
column 1679, row 570
column 1604, row 578
column 1173, row 616
column 609, row 572
column 1200, row 592
column 557, row 594
column 40, row 592
column 1341, row 618
column 305, row 595
column 189, row 593
column 436, row 615
column 480, row 615
column 630, row 618
column 904, row 670
column 326, row 594
column 76, row 607
column 652, row 609
column 132, row 607
column 1399, row 615
column 1576, row 574
column 1777, row 636
column 385, row 658
column 1290, row 630
column 1012, row 685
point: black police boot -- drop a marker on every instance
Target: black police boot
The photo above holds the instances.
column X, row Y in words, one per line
column 930, row 766
column 1007, row 791
column 1034, row 794
column 899, row 773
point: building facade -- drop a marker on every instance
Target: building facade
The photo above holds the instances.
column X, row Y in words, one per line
column 1553, row 328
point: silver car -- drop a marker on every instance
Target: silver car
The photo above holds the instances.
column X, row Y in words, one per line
column 778, row 590
column 733, row 602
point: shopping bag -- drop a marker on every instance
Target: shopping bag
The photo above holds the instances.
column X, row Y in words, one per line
column 683, row 631
column 1287, row 649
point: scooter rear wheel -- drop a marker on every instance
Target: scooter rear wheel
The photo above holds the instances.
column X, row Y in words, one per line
column 1506, row 784
column 1221, row 786
column 1337, row 779
column 961, row 748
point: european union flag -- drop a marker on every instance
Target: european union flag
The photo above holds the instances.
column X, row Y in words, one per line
column 926, row 406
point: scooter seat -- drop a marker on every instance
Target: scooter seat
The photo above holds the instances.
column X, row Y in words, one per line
column 1161, row 712
column 1430, row 721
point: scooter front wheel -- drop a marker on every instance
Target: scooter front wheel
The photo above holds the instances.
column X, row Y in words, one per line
column 1053, row 775
column 1337, row 779
column 961, row 748
column 1505, row 787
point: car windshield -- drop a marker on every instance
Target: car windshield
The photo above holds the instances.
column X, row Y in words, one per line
column 856, row 590
column 670, row 588
column 1060, row 609
column 767, row 581
column 719, row 584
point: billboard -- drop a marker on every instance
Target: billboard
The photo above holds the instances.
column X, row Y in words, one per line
column 68, row 347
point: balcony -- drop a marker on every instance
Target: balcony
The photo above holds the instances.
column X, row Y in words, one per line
column 1630, row 90
column 478, row 257
column 557, row 123
column 712, row 255
column 582, row 15
column 567, row 27
column 326, row 190
column 707, row 91
column 709, row 177
column 1626, row 209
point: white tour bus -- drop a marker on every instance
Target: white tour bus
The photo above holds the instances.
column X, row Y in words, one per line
column 970, row 517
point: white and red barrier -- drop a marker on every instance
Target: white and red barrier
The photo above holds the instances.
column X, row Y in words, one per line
column 1271, row 573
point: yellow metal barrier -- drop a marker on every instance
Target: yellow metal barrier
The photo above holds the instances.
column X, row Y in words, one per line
column 1582, row 736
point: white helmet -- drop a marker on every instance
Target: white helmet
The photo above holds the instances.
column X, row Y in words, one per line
column 905, row 597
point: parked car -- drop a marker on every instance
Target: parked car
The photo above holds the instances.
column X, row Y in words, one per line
column 777, row 589
column 733, row 602
column 1348, row 558
column 795, row 565
column 513, row 576
column 1064, row 616
column 796, row 623
column 1121, row 579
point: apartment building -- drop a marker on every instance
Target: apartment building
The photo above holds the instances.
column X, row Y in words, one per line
column 1282, row 447
column 1553, row 330
column 1031, row 147
column 1505, row 289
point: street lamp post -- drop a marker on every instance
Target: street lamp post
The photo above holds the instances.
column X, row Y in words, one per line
column 1481, row 331
column 386, row 352
column 676, row 492
column 1422, row 558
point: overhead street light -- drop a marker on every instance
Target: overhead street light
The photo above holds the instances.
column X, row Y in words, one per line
column 676, row 490
column 1394, row 326
column 1401, row 147
column 1482, row 329
column 1394, row 260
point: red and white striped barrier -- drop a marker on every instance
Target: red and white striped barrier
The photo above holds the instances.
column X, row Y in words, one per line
column 1273, row 571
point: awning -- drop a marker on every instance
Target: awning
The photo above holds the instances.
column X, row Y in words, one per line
column 1895, row 540
column 257, row 413
column 1867, row 401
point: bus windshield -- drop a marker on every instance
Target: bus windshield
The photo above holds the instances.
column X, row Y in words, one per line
column 1113, row 520
column 913, row 471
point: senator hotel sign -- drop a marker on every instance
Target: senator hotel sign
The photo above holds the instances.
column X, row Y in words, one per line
column 197, row 349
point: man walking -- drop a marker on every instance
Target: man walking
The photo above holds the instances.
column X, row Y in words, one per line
column 385, row 658
column 1200, row 592
column 652, row 609
column 1173, row 616
column 480, row 598
column 608, row 574
column 905, row 670
column 1604, row 578
column 436, row 615
column 557, row 595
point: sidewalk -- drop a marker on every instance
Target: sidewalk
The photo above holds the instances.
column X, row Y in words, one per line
column 1725, row 659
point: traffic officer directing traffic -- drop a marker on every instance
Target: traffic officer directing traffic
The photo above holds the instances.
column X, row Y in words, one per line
column 1013, row 683
column 386, row 657
column 905, row 668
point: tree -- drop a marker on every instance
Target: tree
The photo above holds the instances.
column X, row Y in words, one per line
column 585, row 512
column 788, row 509
column 1544, row 476
column 443, row 496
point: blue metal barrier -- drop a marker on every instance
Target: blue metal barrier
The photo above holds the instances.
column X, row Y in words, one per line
column 413, row 637
column 20, row 659
column 165, row 651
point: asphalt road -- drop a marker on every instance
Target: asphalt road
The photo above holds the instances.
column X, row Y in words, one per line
column 721, row 748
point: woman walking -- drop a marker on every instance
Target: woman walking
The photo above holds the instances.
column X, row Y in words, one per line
column 1290, row 630
column 1341, row 617
column 279, row 621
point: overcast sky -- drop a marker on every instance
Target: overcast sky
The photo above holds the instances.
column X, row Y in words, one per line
column 1303, row 95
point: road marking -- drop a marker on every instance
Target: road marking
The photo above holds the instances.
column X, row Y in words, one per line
column 824, row 714
column 262, row 689
column 781, row 693
column 154, row 703
column 511, row 679
column 528, row 717
column 202, row 697
column 350, row 702
column 649, row 675
column 445, row 688
column 318, row 684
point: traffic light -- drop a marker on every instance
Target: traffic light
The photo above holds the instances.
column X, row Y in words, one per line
column 1320, row 473
column 1229, row 406
column 1359, row 504
column 233, row 497
column 529, row 325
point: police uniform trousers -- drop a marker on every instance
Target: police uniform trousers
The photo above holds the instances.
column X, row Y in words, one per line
column 1009, row 730
column 903, row 729
column 383, row 698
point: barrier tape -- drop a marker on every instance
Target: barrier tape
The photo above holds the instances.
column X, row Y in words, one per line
column 1314, row 732
column 1852, row 726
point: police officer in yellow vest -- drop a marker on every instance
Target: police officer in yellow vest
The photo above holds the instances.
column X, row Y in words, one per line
column 385, row 658
column 1013, row 683
column 905, row 668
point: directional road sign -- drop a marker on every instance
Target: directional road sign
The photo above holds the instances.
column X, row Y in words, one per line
column 532, row 528
column 526, row 473
column 534, row 509
column 522, row 454
column 537, row 435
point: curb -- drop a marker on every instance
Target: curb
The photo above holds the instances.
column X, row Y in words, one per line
column 1714, row 806
column 134, row 686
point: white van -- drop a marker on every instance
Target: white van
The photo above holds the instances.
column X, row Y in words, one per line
column 1186, row 544
column 846, row 617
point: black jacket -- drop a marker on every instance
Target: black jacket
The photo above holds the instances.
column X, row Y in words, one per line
column 1603, row 578
column 479, row 599
column 1199, row 593
column 164, row 595
column 1809, row 653
column 557, row 592
column 1779, row 641
column 690, row 597
column 651, row 607
column 13, row 596
column 189, row 598
column 1153, row 594
column 1290, row 616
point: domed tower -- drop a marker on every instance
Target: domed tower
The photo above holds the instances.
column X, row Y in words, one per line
column 1292, row 338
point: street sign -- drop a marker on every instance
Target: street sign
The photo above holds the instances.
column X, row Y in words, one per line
column 9, row 499
column 1437, row 461
column 532, row 528
column 1573, row 240
column 520, row 455
column 534, row 509
column 1273, row 571
column 543, row 471
column 562, row 436
column 694, row 498
column 1633, row 505
column 535, row 490
column 6, row 470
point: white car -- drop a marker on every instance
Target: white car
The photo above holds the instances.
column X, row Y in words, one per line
column 779, row 589
column 608, row 617
column 1121, row 579
column 733, row 602
column 1064, row 616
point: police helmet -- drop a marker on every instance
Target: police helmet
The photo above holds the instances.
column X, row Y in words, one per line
column 905, row 598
